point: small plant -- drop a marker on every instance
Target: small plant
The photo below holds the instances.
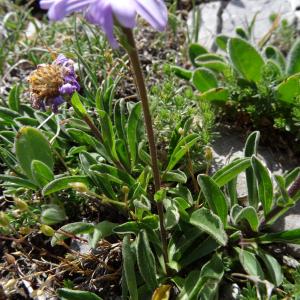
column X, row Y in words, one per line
column 90, row 171
column 262, row 85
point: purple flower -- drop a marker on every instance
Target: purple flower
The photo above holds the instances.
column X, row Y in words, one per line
column 104, row 12
column 51, row 84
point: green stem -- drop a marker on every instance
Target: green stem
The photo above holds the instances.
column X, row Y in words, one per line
column 141, row 87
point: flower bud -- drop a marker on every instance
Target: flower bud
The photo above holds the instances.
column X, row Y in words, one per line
column 79, row 187
column 21, row 204
column 47, row 230
column 125, row 189
column 208, row 154
column 4, row 220
column 181, row 131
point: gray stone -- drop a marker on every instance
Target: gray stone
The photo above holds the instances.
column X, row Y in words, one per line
column 240, row 13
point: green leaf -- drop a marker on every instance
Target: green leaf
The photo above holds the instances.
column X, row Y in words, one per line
column 291, row 176
column 241, row 33
column 78, row 106
column 250, row 215
column 293, row 59
column 209, row 57
column 26, row 121
column 283, row 191
column 71, row 229
column 210, row 223
column 287, row 236
column 264, row 184
column 202, row 249
column 246, row 59
column 113, row 174
column 30, row 145
column 127, row 228
column 68, row 294
column 18, row 181
column 181, row 149
column 273, row 267
column 41, row 173
column 52, row 214
column 181, row 72
column 132, row 128
column 194, row 51
column 232, row 170
column 215, row 65
column 63, row 183
column 122, row 153
column 172, row 216
column 249, row 262
column 232, row 191
column 129, row 270
column 204, row 79
column 119, row 119
column 251, row 149
column 108, row 134
column 8, row 115
column 101, row 231
column 81, row 137
column 289, row 89
column 197, row 283
column 221, row 41
column 146, row 261
column 214, row 196
column 175, row 176
column 275, row 54
column 14, row 98
column 218, row 95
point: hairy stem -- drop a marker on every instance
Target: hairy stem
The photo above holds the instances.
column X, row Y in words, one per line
column 141, row 87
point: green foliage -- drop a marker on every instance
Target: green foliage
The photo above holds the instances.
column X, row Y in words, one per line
column 261, row 84
column 92, row 158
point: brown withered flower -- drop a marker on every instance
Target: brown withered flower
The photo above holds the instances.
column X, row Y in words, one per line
column 49, row 84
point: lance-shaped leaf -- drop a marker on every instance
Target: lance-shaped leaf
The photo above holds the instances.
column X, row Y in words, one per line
column 207, row 221
column 251, row 149
column 214, row 196
column 264, row 184
column 146, row 261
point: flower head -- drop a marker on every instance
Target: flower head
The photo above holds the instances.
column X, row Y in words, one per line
column 104, row 12
column 50, row 84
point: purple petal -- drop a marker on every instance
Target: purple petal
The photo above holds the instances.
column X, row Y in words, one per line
column 100, row 13
column 62, row 8
column 125, row 12
column 56, row 102
column 153, row 11
column 61, row 59
column 68, row 89
column 45, row 4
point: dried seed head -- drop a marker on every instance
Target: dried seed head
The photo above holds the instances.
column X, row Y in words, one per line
column 44, row 83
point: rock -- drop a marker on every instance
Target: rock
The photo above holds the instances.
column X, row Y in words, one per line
column 240, row 13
